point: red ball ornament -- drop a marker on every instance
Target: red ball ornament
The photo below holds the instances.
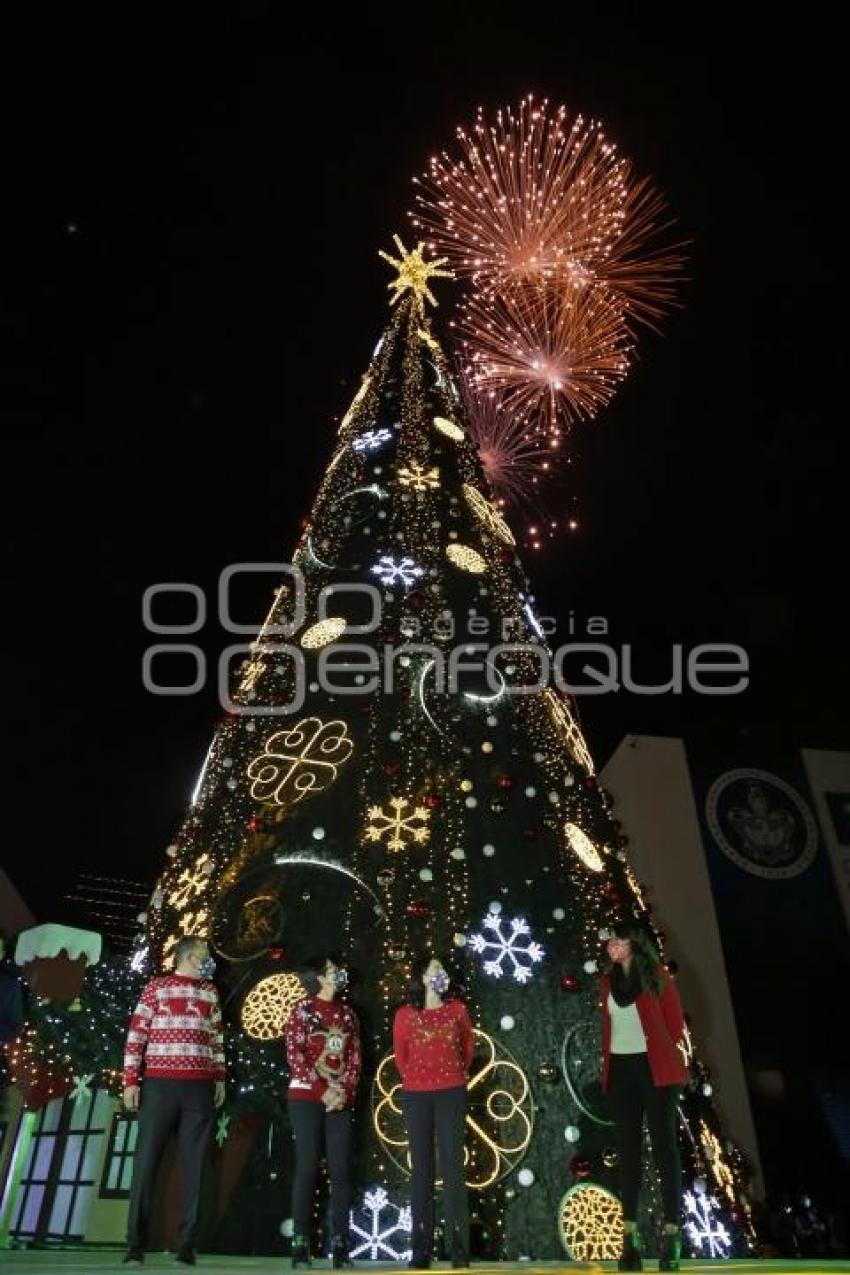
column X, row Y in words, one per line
column 590, row 781
column 570, row 983
column 254, row 824
column 506, row 782
column 275, row 953
column 389, row 767
column 580, row 1167
column 418, row 909
column 431, row 801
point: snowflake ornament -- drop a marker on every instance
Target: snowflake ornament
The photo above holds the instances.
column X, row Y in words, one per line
column 402, row 825
column 378, row 1226
column 404, row 571
column 372, row 440
column 507, row 945
column 706, row 1231
column 418, row 478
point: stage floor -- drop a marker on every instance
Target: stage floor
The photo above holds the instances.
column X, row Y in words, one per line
column 100, row 1262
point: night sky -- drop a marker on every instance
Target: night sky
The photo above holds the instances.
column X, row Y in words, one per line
column 192, row 204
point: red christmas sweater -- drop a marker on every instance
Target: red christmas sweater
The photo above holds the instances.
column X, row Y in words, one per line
column 322, row 1047
column 433, row 1047
column 175, row 1032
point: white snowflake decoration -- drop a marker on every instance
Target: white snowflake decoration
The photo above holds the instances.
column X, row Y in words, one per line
column 372, row 440
column 703, row 1225
column 139, row 959
column 376, row 1241
column 404, row 571
column 507, row 941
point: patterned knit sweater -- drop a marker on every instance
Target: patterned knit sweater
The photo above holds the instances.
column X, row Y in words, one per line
column 322, row 1048
column 175, row 1032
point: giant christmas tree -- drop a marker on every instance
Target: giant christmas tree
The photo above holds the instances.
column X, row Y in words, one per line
column 397, row 772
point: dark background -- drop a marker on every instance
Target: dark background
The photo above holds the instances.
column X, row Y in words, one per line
column 193, row 197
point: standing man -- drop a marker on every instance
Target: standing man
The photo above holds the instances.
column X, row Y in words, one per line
column 173, row 1075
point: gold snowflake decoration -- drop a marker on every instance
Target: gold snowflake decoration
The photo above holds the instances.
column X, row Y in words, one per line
column 398, row 827
column 418, row 477
column 414, row 272
column 191, row 883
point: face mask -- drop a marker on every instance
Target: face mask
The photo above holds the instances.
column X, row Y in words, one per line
column 339, row 978
column 439, row 982
column 206, row 967
column 619, row 950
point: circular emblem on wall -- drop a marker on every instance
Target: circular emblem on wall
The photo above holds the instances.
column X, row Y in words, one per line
column 761, row 823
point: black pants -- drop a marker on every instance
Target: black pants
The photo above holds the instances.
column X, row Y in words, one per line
column 188, row 1104
column 311, row 1122
column 440, row 1111
column 631, row 1094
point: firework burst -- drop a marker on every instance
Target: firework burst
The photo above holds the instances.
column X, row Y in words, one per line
column 515, row 459
column 554, row 354
column 518, row 462
column 540, row 195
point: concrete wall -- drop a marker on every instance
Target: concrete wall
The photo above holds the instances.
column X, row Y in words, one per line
column 648, row 777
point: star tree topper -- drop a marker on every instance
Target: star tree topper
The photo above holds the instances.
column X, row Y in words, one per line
column 414, row 272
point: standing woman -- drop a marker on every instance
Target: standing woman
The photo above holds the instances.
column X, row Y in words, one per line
column 643, row 1067
column 433, row 1044
column 323, row 1052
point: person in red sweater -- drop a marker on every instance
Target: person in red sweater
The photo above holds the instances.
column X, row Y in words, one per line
column 323, row 1053
column 173, row 1075
column 643, row 1067
column 433, row 1044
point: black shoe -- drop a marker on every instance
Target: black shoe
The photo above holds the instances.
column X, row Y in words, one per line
column 630, row 1259
column 671, row 1250
column 340, row 1260
column 300, row 1252
column 134, row 1257
column 186, row 1256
